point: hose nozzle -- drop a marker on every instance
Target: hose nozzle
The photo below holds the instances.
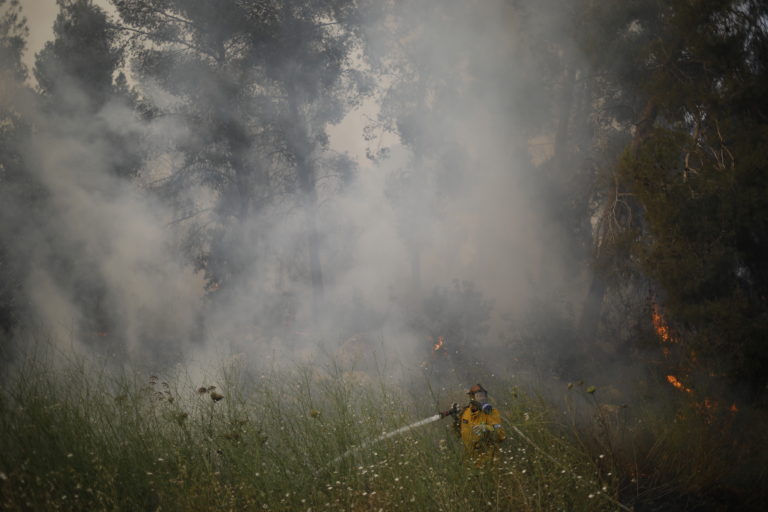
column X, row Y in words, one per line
column 453, row 411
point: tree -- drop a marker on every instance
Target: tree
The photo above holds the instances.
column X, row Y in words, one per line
column 257, row 83
column 13, row 35
column 14, row 181
column 78, row 74
column 691, row 177
column 80, row 85
column 309, row 61
column 78, row 66
column 613, row 40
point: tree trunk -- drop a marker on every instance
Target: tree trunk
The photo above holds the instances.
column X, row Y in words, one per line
column 566, row 101
column 315, row 270
column 593, row 306
column 593, row 303
column 302, row 151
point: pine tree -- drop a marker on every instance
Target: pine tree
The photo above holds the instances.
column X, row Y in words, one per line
column 78, row 74
column 15, row 183
column 256, row 83
column 81, row 91
column 695, row 172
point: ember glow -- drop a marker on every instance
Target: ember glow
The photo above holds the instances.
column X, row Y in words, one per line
column 660, row 325
column 434, row 355
column 679, row 385
column 665, row 336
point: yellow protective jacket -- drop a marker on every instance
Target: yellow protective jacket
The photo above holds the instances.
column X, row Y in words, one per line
column 480, row 432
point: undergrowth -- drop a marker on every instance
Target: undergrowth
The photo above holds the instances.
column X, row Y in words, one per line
column 76, row 436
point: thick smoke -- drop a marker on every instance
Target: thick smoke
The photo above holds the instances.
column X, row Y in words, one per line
column 95, row 227
column 451, row 201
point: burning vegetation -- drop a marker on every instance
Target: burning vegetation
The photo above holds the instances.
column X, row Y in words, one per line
column 707, row 406
column 660, row 325
column 676, row 383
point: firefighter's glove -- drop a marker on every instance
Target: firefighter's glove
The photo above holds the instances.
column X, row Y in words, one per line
column 482, row 430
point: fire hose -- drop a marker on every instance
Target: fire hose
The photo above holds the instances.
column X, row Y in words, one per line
column 387, row 435
column 453, row 411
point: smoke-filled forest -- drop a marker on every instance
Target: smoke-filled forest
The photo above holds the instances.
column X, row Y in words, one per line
column 250, row 249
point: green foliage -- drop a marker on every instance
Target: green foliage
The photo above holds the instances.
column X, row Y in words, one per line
column 77, row 438
column 255, row 85
column 78, row 66
column 78, row 75
column 13, row 40
column 693, row 177
column 14, row 181
column 704, row 245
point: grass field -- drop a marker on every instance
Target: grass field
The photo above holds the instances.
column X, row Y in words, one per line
column 78, row 437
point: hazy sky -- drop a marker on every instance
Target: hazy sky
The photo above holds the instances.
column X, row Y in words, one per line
column 40, row 15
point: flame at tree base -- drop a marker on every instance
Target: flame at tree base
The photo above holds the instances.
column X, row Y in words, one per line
column 667, row 338
column 679, row 385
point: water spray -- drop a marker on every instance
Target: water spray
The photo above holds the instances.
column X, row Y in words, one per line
column 388, row 435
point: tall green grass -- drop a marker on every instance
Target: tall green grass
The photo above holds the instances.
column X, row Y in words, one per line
column 77, row 437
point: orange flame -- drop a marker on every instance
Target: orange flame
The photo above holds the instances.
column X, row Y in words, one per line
column 679, row 385
column 439, row 344
column 661, row 326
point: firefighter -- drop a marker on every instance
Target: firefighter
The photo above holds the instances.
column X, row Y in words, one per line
column 478, row 425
